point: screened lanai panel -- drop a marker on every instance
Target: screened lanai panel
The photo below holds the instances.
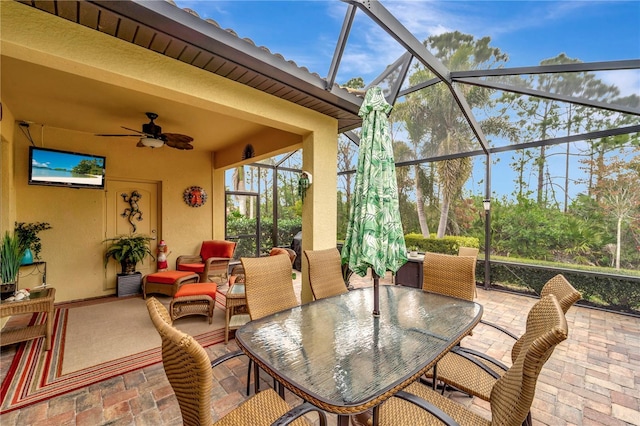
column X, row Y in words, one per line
column 606, row 89
column 358, row 60
column 430, row 124
column 513, row 119
column 292, row 160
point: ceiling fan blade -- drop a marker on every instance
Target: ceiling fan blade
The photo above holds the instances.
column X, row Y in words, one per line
column 179, row 145
column 176, row 137
column 115, row 135
column 178, row 141
column 139, row 132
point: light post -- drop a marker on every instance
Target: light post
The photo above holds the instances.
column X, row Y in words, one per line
column 486, row 203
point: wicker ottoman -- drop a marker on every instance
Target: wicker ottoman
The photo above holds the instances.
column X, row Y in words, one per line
column 194, row 299
column 167, row 282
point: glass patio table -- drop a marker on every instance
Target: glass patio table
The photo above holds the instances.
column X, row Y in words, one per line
column 335, row 354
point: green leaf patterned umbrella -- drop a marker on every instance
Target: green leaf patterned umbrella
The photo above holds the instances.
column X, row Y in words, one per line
column 375, row 238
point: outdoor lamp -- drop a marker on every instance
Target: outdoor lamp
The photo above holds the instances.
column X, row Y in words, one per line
column 487, row 204
column 152, row 142
column 303, row 184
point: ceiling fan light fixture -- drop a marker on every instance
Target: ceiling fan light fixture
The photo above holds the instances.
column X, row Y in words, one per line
column 152, row 142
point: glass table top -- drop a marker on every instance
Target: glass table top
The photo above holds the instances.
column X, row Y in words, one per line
column 335, row 351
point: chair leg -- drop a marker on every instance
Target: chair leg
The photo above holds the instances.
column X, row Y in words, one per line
column 277, row 386
column 435, row 377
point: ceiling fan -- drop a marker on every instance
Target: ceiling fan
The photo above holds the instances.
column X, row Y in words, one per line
column 151, row 136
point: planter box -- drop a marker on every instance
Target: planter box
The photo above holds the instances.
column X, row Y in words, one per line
column 129, row 284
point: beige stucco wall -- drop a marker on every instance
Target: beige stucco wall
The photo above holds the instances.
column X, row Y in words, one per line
column 73, row 248
column 7, row 190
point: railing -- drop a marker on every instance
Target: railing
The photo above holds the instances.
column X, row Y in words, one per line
column 602, row 290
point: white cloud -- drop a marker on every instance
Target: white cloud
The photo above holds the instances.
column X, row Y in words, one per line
column 628, row 81
column 37, row 164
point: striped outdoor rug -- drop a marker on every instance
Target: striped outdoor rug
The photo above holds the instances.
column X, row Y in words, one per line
column 36, row 375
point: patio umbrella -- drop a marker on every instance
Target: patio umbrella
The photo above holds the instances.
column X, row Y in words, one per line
column 375, row 238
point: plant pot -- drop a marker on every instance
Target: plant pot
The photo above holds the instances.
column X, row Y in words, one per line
column 7, row 290
column 27, row 257
column 128, row 267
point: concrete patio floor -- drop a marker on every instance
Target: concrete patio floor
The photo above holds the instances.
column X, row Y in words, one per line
column 593, row 378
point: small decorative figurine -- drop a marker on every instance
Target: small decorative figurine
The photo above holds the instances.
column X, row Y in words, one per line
column 163, row 252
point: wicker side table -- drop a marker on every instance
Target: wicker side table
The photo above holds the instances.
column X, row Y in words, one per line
column 235, row 299
column 40, row 301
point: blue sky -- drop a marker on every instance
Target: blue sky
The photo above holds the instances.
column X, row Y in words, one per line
column 528, row 31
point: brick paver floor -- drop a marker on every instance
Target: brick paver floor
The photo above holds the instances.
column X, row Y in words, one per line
column 592, row 378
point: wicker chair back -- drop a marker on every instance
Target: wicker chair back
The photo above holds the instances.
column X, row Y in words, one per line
column 187, row 367
column 468, row 251
column 325, row 273
column 449, row 275
column 268, row 285
column 513, row 393
column 566, row 294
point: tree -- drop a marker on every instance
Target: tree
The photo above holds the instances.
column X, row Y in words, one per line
column 619, row 195
column 447, row 127
column 412, row 113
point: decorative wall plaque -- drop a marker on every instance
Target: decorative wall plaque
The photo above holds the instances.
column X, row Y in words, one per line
column 195, row 196
column 248, row 152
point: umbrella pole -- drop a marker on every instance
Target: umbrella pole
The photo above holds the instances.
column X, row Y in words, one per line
column 376, row 294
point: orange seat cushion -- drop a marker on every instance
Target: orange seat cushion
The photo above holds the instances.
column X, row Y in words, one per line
column 207, row 289
column 217, row 248
column 277, row 250
column 193, row 267
column 167, row 277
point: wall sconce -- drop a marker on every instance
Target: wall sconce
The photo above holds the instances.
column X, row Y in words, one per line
column 303, row 184
column 487, row 204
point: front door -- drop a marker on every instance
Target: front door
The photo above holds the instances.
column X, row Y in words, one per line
column 132, row 208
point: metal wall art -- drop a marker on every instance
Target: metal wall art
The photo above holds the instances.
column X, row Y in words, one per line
column 133, row 211
column 195, row 196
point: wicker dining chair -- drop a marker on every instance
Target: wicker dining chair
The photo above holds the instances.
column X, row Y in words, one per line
column 268, row 289
column 325, row 273
column 468, row 251
column 268, row 285
column 474, row 372
column 189, row 371
column 511, row 396
column 449, row 275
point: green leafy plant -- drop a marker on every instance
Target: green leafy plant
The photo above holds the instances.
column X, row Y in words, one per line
column 10, row 256
column 27, row 234
column 128, row 250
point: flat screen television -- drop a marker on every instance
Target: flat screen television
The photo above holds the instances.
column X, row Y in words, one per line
column 53, row 167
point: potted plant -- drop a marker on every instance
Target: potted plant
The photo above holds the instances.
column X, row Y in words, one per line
column 128, row 250
column 27, row 234
column 413, row 251
column 10, row 256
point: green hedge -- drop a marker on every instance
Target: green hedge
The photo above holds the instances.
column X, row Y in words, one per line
column 244, row 227
column 446, row 245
